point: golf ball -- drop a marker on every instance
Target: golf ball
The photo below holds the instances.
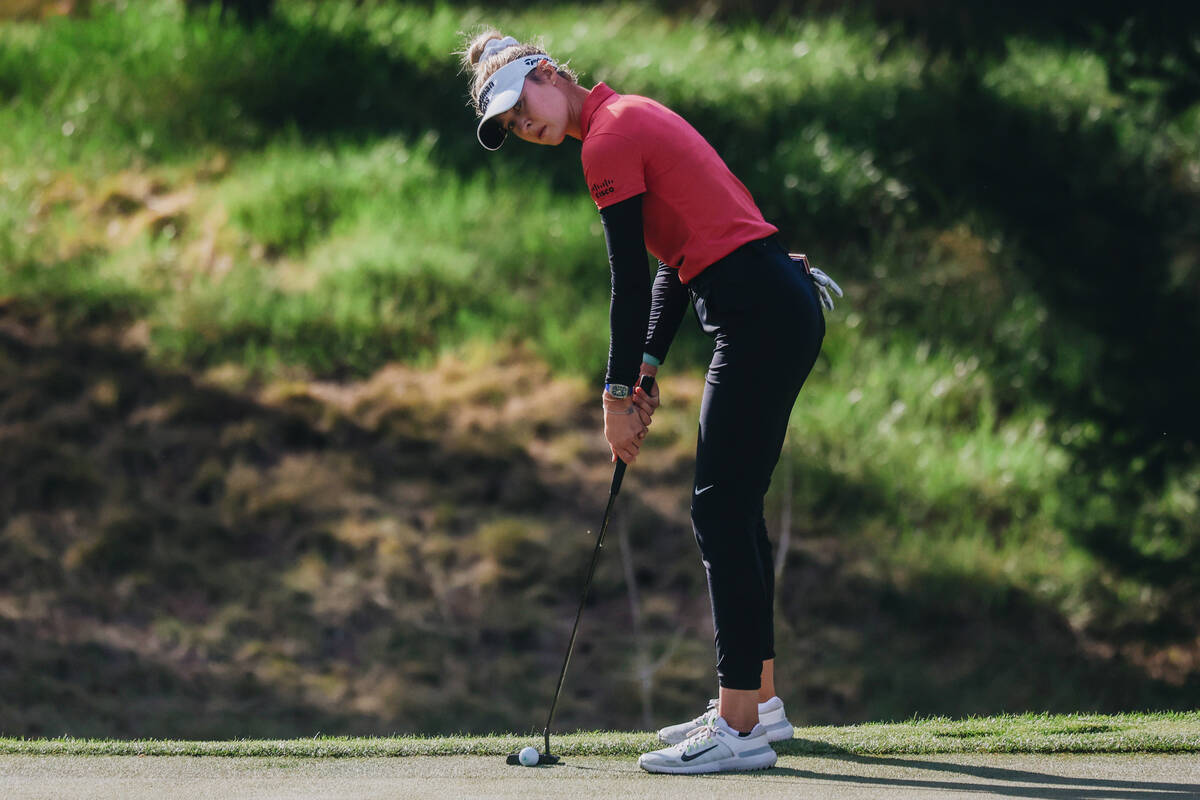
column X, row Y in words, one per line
column 528, row 756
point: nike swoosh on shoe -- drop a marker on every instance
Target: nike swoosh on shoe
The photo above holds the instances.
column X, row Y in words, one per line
column 693, row 756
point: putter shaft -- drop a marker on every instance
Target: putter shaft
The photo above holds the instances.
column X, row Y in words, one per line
column 647, row 383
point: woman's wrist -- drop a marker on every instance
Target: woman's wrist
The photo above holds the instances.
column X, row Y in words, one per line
column 617, row 405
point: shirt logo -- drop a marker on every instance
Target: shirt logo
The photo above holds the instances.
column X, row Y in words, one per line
column 603, row 189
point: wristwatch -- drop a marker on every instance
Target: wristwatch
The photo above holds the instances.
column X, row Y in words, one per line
column 617, row 390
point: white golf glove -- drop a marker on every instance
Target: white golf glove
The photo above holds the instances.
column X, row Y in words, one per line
column 824, row 282
column 824, row 285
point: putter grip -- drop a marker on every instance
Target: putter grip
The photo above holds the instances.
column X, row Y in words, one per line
column 647, row 383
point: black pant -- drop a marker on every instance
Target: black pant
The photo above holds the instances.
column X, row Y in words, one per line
column 764, row 315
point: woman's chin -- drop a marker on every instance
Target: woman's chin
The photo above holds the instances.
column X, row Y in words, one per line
column 548, row 136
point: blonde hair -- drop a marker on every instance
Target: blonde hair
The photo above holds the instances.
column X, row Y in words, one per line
column 480, row 68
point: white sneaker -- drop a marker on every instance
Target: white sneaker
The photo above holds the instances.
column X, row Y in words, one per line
column 713, row 748
column 770, row 715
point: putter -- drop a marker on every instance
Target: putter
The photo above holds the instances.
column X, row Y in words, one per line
column 647, row 383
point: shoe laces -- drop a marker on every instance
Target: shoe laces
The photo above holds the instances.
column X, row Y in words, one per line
column 702, row 735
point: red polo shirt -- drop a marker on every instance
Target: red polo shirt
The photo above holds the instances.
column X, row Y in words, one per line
column 695, row 211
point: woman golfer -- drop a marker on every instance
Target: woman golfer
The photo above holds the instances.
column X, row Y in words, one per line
column 661, row 187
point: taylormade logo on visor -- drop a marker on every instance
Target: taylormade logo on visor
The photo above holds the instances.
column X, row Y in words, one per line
column 528, row 62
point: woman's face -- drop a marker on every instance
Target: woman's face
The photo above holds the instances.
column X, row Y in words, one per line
column 540, row 116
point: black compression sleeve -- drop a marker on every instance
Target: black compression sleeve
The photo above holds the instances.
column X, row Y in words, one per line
column 630, row 306
column 668, row 304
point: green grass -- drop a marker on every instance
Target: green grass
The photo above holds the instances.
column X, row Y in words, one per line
column 374, row 231
column 951, row 439
column 1027, row 733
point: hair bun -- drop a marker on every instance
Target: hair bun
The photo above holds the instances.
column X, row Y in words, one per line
column 479, row 49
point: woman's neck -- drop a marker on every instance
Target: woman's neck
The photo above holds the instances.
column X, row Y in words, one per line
column 576, row 95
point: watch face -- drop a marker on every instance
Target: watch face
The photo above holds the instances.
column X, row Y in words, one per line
column 617, row 390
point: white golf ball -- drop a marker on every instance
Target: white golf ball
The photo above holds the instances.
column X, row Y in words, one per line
column 528, row 756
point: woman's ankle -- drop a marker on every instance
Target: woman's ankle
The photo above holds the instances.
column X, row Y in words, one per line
column 739, row 709
column 766, row 686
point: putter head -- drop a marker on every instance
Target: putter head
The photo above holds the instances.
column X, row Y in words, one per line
column 514, row 759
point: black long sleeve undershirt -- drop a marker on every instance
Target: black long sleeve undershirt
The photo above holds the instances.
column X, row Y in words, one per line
column 629, row 309
column 640, row 319
column 668, row 303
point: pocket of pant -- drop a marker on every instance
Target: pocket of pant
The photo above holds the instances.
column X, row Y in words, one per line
column 732, row 296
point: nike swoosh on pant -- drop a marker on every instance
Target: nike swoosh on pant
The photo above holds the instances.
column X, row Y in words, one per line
column 705, row 489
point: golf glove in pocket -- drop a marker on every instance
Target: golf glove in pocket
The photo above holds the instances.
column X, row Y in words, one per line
column 824, row 283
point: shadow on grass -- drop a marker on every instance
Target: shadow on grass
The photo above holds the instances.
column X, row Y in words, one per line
column 1071, row 786
column 89, row 688
column 997, row 780
column 994, row 781
column 170, row 553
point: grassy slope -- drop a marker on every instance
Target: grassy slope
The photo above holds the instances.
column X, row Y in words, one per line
column 1029, row 733
column 183, row 198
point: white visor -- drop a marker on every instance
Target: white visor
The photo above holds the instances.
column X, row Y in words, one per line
column 500, row 93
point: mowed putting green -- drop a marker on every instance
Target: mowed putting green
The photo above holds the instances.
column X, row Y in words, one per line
column 1165, row 732
column 23, row 777
column 1031, row 755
